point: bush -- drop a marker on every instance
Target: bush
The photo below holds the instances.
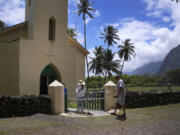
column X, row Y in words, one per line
column 24, row 105
column 145, row 99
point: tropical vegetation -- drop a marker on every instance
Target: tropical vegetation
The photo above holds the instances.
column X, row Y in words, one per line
column 96, row 63
column 3, row 25
column 126, row 51
column 110, row 35
column 104, row 63
column 84, row 7
column 172, row 77
column 72, row 32
column 110, row 65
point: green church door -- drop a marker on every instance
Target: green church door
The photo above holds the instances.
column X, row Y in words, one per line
column 48, row 75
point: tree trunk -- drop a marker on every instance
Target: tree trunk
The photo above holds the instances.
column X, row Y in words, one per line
column 122, row 66
column 99, row 81
column 105, row 77
column 109, row 77
column 87, row 64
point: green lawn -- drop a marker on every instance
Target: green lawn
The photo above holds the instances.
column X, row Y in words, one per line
column 161, row 119
column 142, row 88
column 164, row 88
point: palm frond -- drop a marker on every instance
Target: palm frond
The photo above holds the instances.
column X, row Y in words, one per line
column 85, row 8
column 126, row 51
column 110, row 35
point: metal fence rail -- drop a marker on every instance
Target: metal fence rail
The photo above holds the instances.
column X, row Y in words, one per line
column 93, row 100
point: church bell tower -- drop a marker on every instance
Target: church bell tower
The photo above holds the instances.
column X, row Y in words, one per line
column 38, row 14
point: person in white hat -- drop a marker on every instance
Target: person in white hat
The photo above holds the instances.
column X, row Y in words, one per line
column 80, row 92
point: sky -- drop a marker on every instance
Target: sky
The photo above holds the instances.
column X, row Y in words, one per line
column 152, row 25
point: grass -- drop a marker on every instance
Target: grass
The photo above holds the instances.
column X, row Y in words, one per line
column 72, row 104
column 16, row 125
column 164, row 88
column 142, row 88
column 47, row 124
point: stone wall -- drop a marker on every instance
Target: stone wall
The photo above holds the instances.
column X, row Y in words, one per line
column 140, row 99
column 11, row 106
column 145, row 99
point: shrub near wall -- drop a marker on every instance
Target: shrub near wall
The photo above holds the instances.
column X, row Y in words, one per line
column 24, row 105
column 145, row 99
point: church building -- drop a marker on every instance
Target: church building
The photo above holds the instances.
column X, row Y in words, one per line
column 38, row 51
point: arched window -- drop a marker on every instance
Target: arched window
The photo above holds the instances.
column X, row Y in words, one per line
column 52, row 26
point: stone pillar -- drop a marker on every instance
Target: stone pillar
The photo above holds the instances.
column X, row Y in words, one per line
column 110, row 92
column 56, row 92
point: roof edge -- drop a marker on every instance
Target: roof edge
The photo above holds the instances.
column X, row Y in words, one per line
column 77, row 44
column 10, row 40
column 14, row 27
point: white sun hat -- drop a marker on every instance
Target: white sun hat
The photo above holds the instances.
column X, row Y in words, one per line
column 81, row 82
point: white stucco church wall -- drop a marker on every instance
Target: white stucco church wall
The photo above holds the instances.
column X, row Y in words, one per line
column 33, row 51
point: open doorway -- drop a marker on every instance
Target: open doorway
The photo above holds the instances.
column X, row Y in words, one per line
column 48, row 75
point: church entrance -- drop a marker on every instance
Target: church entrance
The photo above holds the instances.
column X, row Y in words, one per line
column 48, row 75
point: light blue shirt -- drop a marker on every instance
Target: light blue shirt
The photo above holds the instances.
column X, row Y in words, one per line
column 120, row 84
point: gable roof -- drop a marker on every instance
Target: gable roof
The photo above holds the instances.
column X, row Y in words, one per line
column 20, row 25
column 73, row 42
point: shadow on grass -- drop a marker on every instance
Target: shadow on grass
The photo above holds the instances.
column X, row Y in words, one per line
column 120, row 117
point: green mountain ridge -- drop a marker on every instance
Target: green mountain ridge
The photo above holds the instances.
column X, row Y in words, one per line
column 171, row 61
column 150, row 68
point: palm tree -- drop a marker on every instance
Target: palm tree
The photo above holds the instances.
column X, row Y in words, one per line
column 96, row 63
column 84, row 8
column 2, row 25
column 110, row 35
column 126, row 51
column 72, row 32
column 109, row 64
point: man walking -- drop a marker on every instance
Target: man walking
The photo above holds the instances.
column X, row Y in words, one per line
column 121, row 94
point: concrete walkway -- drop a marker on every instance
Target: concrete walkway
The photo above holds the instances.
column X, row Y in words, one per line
column 72, row 112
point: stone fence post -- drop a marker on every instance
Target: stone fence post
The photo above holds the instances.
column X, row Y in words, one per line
column 110, row 92
column 56, row 92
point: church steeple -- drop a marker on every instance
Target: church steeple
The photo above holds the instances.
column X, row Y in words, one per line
column 39, row 12
column 29, row 17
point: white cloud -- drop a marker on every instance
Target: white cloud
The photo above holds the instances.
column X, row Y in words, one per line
column 150, row 4
column 166, row 19
column 161, row 7
column 12, row 11
column 73, row 2
column 80, row 38
column 152, row 42
column 155, row 13
column 97, row 13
